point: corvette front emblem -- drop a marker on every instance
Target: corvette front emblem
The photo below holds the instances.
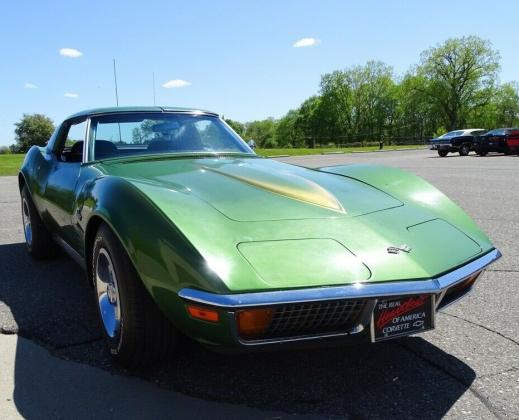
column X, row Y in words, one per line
column 397, row 249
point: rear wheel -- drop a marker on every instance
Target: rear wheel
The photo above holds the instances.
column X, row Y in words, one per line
column 465, row 149
column 136, row 332
column 442, row 153
column 38, row 239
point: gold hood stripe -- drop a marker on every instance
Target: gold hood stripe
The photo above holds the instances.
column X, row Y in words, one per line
column 307, row 192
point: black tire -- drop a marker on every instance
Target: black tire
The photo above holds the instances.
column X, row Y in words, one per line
column 464, row 149
column 442, row 153
column 482, row 152
column 144, row 335
column 38, row 239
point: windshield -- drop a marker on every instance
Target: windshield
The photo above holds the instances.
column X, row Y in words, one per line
column 498, row 132
column 133, row 134
column 451, row 134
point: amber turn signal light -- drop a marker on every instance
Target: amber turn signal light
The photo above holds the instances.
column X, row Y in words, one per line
column 205, row 314
column 253, row 323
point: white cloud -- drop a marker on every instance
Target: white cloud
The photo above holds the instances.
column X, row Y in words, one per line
column 177, row 83
column 70, row 52
column 30, row 86
column 306, row 42
column 71, row 95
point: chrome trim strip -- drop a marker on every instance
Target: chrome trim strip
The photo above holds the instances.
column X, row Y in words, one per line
column 297, row 339
column 86, row 141
column 72, row 253
column 353, row 291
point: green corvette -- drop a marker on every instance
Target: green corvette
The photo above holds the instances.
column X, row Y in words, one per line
column 182, row 228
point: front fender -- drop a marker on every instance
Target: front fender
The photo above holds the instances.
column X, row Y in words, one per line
column 33, row 173
column 413, row 190
column 164, row 259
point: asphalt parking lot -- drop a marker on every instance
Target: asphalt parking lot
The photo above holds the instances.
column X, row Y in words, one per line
column 467, row 368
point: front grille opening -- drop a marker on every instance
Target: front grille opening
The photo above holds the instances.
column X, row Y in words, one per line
column 457, row 291
column 313, row 318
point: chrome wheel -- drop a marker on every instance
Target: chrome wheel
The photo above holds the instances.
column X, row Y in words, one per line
column 108, row 293
column 27, row 227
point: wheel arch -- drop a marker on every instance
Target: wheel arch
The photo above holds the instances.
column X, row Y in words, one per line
column 163, row 257
column 90, row 232
column 21, row 181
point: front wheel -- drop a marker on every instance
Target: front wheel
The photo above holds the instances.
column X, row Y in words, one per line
column 442, row 153
column 464, row 150
column 136, row 332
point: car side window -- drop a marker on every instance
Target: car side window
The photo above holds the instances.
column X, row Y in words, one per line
column 71, row 143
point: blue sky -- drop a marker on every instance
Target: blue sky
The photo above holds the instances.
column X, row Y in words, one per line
column 237, row 56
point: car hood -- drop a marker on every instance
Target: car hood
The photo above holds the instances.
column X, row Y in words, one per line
column 255, row 189
column 264, row 225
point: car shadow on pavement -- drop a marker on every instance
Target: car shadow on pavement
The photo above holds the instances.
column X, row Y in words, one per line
column 50, row 303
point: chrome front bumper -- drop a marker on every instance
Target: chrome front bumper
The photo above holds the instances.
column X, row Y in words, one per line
column 372, row 292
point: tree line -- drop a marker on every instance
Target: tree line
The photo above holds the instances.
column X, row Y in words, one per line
column 454, row 85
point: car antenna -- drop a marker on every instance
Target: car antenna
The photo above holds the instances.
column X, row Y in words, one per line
column 153, row 76
column 115, row 82
column 117, row 100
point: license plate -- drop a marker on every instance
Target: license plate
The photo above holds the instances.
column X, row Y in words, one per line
column 401, row 316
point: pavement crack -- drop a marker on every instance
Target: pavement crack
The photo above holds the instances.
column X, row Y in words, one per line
column 491, row 375
column 484, row 327
column 484, row 400
column 502, row 270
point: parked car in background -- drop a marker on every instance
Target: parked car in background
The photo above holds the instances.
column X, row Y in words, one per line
column 501, row 140
column 461, row 141
column 181, row 227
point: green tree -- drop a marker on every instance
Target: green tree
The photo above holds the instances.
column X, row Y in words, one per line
column 460, row 75
column 262, row 132
column 358, row 102
column 236, row 126
column 288, row 134
column 507, row 105
column 335, row 108
column 502, row 109
column 32, row 130
column 415, row 115
column 310, row 120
